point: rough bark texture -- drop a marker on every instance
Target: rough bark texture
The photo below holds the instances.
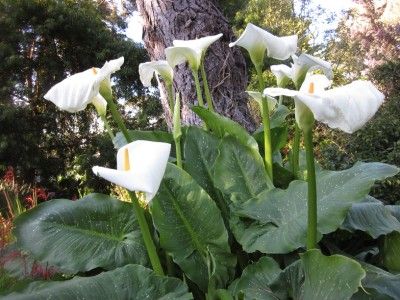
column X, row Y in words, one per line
column 167, row 20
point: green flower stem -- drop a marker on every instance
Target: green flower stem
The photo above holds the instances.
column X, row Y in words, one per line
column 280, row 100
column 312, row 191
column 148, row 241
column 118, row 119
column 178, row 153
column 144, row 227
column 296, row 150
column 170, row 92
column 170, row 265
column 266, row 124
column 198, row 88
column 206, row 88
column 107, row 126
column 177, row 130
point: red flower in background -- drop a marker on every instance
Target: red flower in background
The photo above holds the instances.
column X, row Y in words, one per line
column 38, row 193
column 9, row 175
column 41, row 194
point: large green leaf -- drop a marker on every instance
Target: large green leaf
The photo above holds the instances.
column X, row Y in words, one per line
column 282, row 214
column 191, row 229
column 255, row 280
column 278, row 118
column 379, row 283
column 76, row 236
column 330, row 277
column 155, row 136
column 391, row 252
column 240, row 170
column 222, row 126
column 319, row 277
column 372, row 217
column 128, row 282
column 201, row 151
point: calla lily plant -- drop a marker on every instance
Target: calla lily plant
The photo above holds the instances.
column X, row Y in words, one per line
column 301, row 66
column 256, row 41
column 348, row 108
column 140, row 167
column 75, row 92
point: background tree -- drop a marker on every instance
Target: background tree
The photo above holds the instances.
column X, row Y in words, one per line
column 165, row 21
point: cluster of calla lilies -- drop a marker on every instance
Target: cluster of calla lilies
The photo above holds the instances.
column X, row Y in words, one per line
column 141, row 164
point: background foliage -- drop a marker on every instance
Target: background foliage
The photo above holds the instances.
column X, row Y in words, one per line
column 41, row 43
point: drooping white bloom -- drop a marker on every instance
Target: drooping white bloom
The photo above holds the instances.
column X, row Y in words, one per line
column 257, row 96
column 256, row 40
column 191, row 51
column 140, row 167
column 283, row 74
column 160, row 67
column 306, row 63
column 347, row 107
column 75, row 92
column 301, row 65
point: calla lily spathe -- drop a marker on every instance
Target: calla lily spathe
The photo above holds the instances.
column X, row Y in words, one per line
column 191, row 51
column 160, row 67
column 75, row 92
column 347, row 107
column 283, row 74
column 306, row 63
column 301, row 65
column 140, row 167
column 256, row 40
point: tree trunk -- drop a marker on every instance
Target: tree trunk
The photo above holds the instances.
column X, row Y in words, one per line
column 167, row 20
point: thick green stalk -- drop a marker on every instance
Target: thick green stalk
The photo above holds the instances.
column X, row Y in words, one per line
column 148, row 241
column 170, row 92
column 206, row 88
column 144, row 227
column 178, row 153
column 312, row 191
column 177, row 130
column 118, row 119
column 266, row 124
column 280, row 100
column 296, row 150
column 107, row 126
column 198, row 88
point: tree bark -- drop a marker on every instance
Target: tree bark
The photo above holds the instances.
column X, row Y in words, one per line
column 167, row 20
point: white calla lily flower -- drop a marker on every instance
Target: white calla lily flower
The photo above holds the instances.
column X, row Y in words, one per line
column 256, row 40
column 140, row 167
column 283, row 74
column 257, row 96
column 301, row 66
column 191, row 51
column 160, row 67
column 347, row 107
column 306, row 63
column 75, row 92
